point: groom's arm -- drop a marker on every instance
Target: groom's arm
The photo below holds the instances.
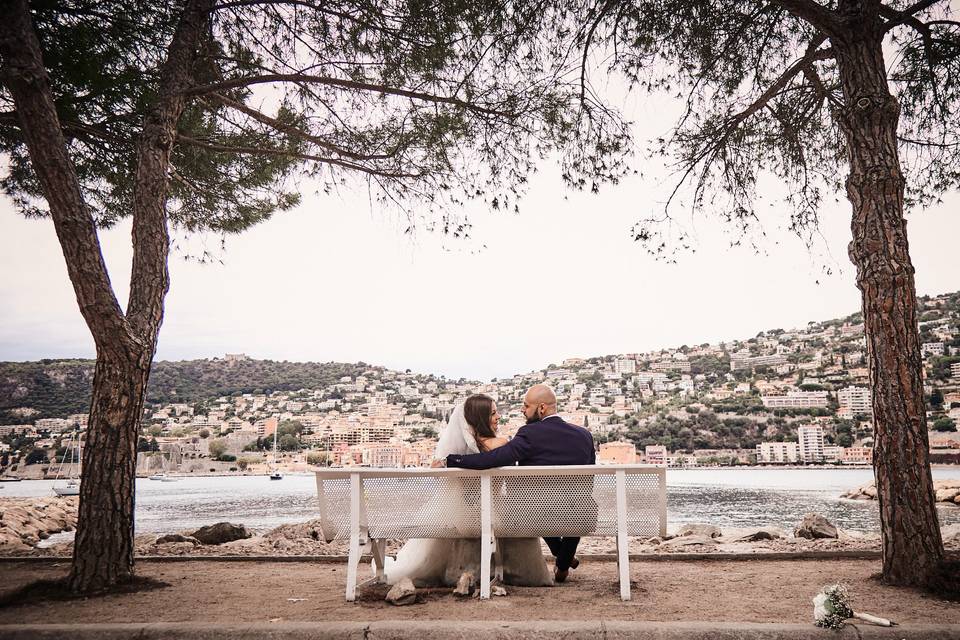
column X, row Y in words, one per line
column 514, row 451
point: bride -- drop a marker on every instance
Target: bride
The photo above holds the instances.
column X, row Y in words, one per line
column 441, row 561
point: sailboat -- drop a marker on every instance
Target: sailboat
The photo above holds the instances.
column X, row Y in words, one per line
column 275, row 474
column 162, row 474
column 72, row 486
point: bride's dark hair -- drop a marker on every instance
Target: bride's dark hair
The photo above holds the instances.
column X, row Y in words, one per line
column 477, row 410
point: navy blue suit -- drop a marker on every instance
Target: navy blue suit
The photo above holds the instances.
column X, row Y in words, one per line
column 551, row 441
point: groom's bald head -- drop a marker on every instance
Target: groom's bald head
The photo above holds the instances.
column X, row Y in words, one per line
column 539, row 402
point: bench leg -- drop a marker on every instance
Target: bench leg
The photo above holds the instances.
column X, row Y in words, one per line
column 353, row 562
column 623, row 554
column 486, row 537
column 353, row 565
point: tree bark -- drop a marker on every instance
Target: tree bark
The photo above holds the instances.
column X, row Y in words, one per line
column 912, row 545
column 104, row 545
column 103, row 548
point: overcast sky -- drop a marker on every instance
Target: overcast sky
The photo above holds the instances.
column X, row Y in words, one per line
column 337, row 280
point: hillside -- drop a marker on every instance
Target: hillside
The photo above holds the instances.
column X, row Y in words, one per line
column 57, row 388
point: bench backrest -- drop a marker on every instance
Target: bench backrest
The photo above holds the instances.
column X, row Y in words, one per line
column 523, row 501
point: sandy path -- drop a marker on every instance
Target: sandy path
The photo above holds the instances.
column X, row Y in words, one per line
column 751, row 591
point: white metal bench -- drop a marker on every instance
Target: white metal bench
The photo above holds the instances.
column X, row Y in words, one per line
column 370, row 506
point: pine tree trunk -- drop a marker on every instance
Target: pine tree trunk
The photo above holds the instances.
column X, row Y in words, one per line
column 912, row 545
column 104, row 545
column 103, row 548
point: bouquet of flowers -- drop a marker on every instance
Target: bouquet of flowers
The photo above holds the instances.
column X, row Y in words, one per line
column 831, row 609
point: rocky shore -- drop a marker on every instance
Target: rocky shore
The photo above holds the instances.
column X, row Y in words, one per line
column 813, row 533
column 24, row 522
column 948, row 492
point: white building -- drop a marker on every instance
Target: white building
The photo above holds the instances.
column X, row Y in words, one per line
column 811, row 443
column 856, row 400
column 778, row 453
column 744, row 361
column 955, row 370
column 833, row 453
column 796, row 400
column 932, row 349
column 54, row 425
column 625, row 365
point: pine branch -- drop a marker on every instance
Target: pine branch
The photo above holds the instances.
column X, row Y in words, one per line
column 346, row 84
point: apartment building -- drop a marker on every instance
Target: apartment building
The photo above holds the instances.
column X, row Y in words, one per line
column 811, row 443
column 778, row 453
column 796, row 400
column 856, row 400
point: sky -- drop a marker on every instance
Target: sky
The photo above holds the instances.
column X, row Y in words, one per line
column 337, row 280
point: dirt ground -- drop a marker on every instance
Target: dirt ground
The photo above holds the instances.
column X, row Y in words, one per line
column 714, row 590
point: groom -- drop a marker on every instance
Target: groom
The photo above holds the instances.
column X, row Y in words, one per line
column 546, row 439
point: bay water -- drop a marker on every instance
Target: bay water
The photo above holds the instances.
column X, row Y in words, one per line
column 745, row 497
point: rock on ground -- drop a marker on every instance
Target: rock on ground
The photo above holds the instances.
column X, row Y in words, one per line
column 220, row 533
column 176, row 537
column 688, row 541
column 464, row 585
column 947, row 491
column 814, row 526
column 402, row 593
column 707, row 530
column 756, row 535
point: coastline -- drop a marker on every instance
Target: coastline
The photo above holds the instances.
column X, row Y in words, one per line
column 16, row 477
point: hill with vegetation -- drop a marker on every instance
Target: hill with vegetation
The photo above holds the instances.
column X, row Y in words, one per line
column 57, row 388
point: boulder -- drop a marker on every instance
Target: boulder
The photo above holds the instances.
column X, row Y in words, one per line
column 688, row 541
column 707, row 530
column 759, row 534
column 171, row 538
column 815, row 526
column 310, row 529
column 220, row 533
column 947, row 494
column 402, row 593
column 866, row 492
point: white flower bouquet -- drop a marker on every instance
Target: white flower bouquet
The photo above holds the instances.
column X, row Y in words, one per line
column 831, row 609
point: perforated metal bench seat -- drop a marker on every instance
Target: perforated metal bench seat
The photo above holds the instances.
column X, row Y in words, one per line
column 369, row 506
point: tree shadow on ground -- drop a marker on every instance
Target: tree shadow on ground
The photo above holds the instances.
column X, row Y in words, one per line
column 59, row 590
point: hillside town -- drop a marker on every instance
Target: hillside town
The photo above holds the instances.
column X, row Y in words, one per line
column 784, row 397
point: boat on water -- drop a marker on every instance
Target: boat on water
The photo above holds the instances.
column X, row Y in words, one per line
column 72, row 485
column 162, row 474
column 274, row 472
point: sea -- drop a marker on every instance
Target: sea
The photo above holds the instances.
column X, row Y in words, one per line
column 740, row 497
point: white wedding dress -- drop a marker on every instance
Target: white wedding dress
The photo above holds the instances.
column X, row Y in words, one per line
column 441, row 561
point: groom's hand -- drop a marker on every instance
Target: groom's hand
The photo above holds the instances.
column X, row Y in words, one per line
column 436, row 464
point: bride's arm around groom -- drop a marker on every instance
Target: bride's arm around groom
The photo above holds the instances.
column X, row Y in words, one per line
column 546, row 439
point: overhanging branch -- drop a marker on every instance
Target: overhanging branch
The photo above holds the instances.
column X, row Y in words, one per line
column 345, row 84
column 266, row 151
column 814, row 13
